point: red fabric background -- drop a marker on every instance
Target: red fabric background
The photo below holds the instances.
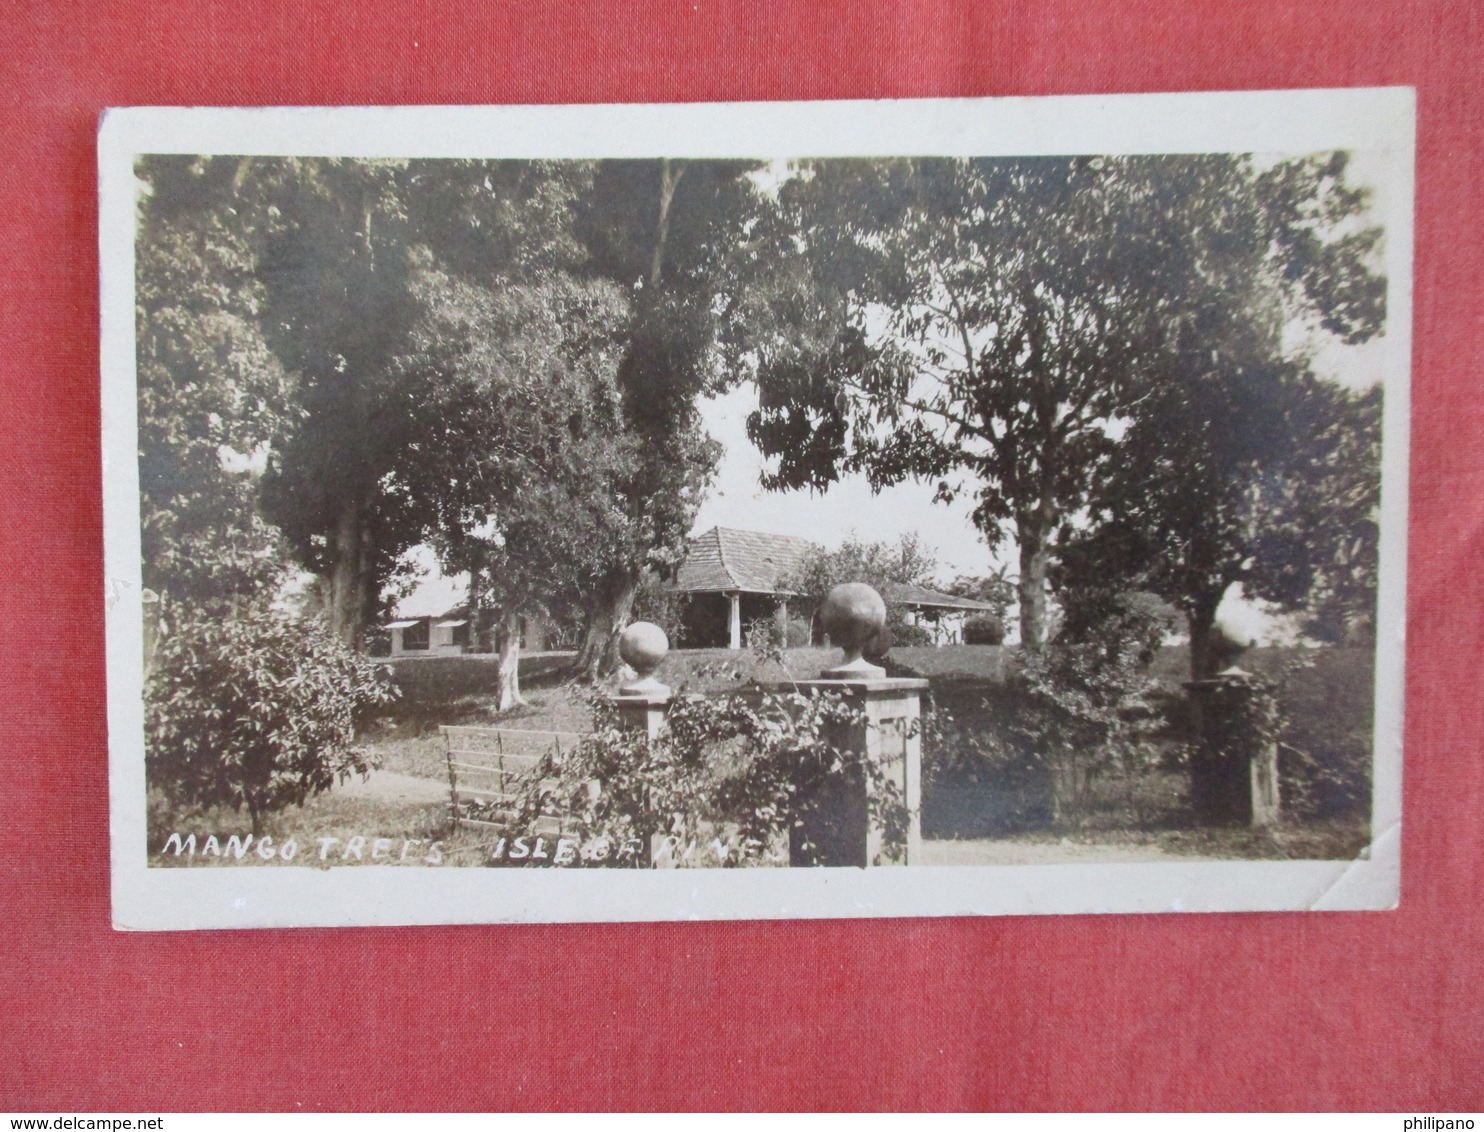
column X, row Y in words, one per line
column 1230, row 1011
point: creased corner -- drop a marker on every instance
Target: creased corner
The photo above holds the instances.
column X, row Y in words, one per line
column 1371, row 882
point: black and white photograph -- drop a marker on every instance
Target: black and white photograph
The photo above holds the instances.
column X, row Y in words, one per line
column 756, row 511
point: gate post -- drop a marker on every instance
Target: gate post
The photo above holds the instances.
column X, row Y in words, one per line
column 642, row 704
column 1234, row 771
column 844, row 819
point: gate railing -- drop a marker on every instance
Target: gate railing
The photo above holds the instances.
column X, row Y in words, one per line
column 486, row 766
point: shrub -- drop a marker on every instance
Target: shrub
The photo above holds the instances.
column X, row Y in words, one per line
column 256, row 712
column 984, row 631
column 765, row 634
column 1331, row 781
column 906, row 634
column 1325, row 748
column 1088, row 708
column 748, row 770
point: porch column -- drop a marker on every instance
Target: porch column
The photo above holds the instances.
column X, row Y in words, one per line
column 734, row 621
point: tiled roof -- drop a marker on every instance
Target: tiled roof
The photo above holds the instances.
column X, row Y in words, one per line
column 899, row 593
column 750, row 561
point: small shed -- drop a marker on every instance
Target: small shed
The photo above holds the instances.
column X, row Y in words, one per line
column 734, row 578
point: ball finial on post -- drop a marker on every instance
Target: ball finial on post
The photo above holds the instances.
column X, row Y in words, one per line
column 853, row 615
column 643, row 645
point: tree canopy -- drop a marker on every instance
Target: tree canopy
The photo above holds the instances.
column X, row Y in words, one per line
column 1241, row 465
column 338, row 322
column 1004, row 326
column 341, row 359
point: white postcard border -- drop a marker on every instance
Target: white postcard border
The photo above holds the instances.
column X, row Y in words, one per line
column 1376, row 120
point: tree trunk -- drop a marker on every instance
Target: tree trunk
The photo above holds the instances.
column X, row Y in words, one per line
column 669, row 181
column 350, row 570
column 1200, row 620
column 508, row 666
column 481, row 611
column 1035, row 556
column 1067, row 790
column 607, row 615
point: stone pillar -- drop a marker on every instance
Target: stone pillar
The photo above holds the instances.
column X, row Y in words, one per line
column 642, row 711
column 734, row 621
column 1234, row 769
column 642, row 704
column 845, row 819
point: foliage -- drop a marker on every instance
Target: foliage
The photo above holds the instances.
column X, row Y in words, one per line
column 663, row 231
column 353, row 252
column 999, row 326
column 334, row 322
column 1318, row 549
column 986, row 630
column 767, row 635
column 256, row 711
column 523, row 466
column 746, row 772
column 1322, row 781
column 880, row 565
column 996, row 590
column 659, row 603
column 210, row 397
column 1227, row 472
column 903, row 635
column 1325, row 741
column 1087, row 707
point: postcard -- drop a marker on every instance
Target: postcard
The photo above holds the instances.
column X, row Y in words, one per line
column 753, row 511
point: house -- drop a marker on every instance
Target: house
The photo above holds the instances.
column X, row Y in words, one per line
column 446, row 634
column 734, row 578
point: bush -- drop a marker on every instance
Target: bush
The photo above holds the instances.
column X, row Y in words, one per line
column 1089, row 708
column 982, row 765
column 255, row 712
column 764, row 634
column 906, row 635
column 746, row 770
column 800, row 633
column 1325, row 748
column 984, row 631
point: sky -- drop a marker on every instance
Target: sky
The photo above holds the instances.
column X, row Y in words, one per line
column 737, row 499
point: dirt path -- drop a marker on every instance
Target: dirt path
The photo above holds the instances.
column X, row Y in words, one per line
column 390, row 786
